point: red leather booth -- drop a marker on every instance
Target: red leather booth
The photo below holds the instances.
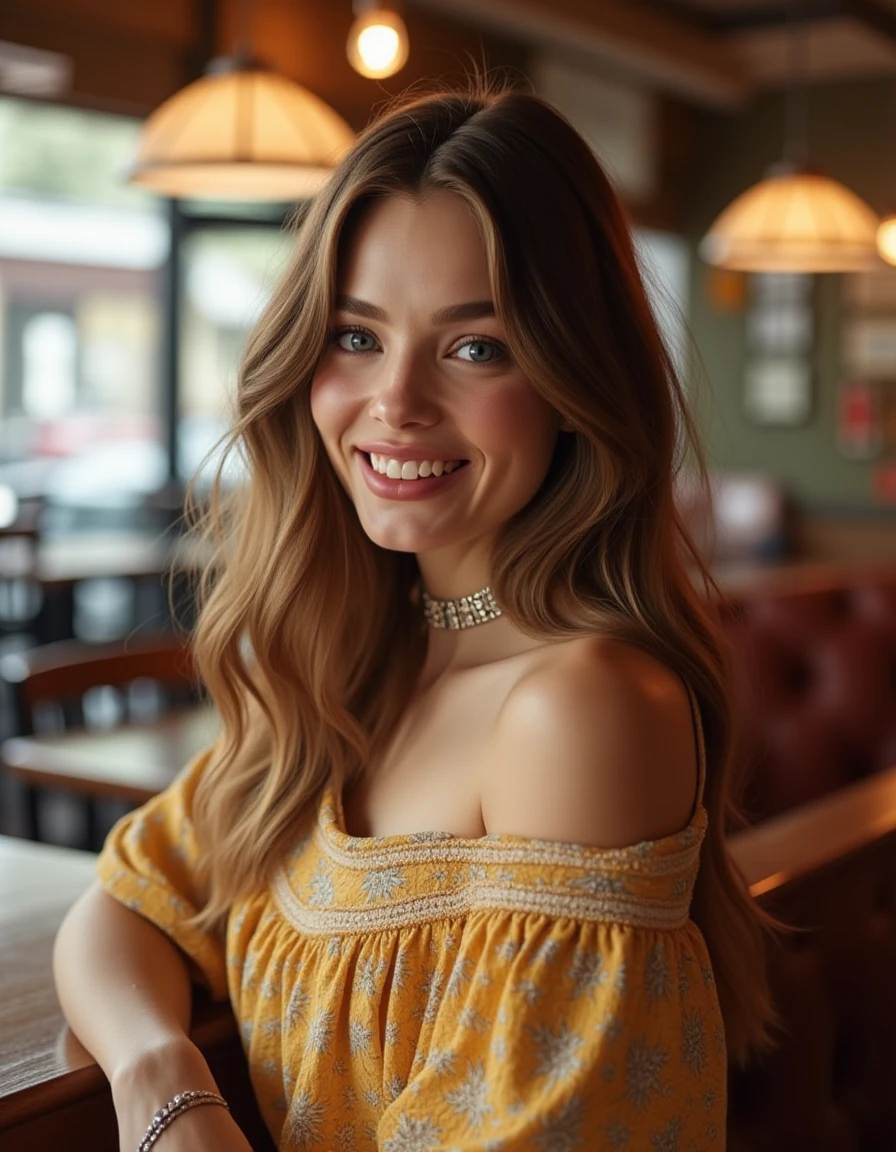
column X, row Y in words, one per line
column 815, row 682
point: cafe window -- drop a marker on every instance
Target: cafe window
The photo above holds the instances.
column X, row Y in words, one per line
column 80, row 261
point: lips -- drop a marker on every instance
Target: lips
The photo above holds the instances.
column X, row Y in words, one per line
column 407, row 452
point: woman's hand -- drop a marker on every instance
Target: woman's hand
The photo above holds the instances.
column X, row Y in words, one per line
column 140, row 1089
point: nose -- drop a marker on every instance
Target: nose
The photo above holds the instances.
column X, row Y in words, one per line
column 403, row 393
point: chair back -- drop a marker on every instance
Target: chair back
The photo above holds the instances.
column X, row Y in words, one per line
column 58, row 676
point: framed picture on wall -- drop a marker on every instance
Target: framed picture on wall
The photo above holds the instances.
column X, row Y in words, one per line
column 774, row 330
column 778, row 391
column 777, row 387
column 869, row 346
column 859, row 430
column 870, row 291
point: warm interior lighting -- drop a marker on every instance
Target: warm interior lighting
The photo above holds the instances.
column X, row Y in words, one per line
column 377, row 42
column 241, row 132
column 378, row 46
column 794, row 221
column 886, row 238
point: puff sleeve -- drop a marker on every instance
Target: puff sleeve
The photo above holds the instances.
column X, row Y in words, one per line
column 148, row 863
column 554, row 1034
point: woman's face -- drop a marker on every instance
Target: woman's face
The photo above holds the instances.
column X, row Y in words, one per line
column 434, row 431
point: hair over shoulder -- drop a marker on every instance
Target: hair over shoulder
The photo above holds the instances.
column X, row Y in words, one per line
column 309, row 639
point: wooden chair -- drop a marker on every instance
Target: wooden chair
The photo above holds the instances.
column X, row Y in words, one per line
column 71, row 687
column 828, row 869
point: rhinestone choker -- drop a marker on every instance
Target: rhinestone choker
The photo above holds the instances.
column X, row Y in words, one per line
column 464, row 612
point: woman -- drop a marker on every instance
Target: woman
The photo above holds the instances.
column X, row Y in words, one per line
column 455, row 865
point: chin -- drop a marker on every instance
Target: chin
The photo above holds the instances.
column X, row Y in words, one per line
column 398, row 539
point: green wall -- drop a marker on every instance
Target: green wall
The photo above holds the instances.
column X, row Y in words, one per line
column 852, row 137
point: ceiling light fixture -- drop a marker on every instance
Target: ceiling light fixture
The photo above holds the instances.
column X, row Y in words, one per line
column 795, row 220
column 377, row 43
column 240, row 132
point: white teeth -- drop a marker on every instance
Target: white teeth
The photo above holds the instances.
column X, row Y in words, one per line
column 411, row 469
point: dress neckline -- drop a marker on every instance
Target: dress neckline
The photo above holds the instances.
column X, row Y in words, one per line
column 332, row 825
column 331, row 819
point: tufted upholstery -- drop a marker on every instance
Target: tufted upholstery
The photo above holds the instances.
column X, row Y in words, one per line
column 815, row 683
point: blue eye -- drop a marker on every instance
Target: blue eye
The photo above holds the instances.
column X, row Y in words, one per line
column 480, row 351
column 355, row 340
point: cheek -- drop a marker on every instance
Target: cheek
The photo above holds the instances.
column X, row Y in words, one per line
column 515, row 419
column 330, row 413
column 330, row 403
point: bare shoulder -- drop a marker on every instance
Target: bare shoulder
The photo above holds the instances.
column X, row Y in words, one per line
column 594, row 745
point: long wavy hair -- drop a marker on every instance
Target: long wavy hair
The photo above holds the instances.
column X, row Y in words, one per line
column 309, row 639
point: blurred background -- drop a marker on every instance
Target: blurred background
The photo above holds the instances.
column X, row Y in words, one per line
column 151, row 157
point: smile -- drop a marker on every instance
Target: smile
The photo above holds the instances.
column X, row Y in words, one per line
column 411, row 469
column 404, row 486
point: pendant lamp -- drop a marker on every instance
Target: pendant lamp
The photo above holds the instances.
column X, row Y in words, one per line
column 795, row 220
column 240, row 132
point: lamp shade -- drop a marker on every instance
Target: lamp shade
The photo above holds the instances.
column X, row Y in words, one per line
column 240, row 133
column 794, row 221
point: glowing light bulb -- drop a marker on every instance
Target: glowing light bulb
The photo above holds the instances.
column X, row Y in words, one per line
column 378, row 43
column 886, row 238
column 378, row 47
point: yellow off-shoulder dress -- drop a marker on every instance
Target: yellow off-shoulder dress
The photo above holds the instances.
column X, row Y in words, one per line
column 428, row 993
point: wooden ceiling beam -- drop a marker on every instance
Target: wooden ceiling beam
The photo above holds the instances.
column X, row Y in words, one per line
column 115, row 68
column 170, row 21
column 654, row 48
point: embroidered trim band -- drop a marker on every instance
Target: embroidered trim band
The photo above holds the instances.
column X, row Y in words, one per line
column 615, row 908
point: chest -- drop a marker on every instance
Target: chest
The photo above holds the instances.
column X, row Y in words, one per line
column 430, row 777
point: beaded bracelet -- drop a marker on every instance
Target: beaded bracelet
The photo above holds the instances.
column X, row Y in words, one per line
column 166, row 1115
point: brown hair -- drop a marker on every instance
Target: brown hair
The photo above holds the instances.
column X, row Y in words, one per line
column 308, row 639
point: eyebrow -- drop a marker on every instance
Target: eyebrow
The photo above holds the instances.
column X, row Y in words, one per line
column 473, row 310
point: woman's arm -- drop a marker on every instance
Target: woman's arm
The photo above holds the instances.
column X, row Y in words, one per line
column 125, row 990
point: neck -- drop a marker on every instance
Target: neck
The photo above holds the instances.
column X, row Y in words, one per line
column 449, row 651
column 449, row 573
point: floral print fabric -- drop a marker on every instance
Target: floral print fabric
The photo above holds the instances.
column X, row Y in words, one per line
column 430, row 993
